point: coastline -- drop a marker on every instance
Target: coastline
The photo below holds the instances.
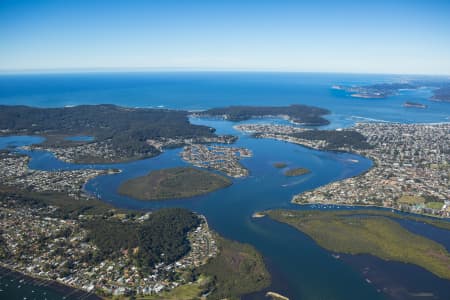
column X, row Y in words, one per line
column 64, row 290
column 384, row 208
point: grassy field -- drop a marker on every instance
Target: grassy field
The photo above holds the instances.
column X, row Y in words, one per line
column 238, row 269
column 180, row 182
column 408, row 199
column 434, row 205
column 296, row 172
column 362, row 234
column 385, row 213
column 191, row 291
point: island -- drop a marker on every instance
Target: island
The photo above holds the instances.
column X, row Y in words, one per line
column 440, row 89
column 297, row 113
column 442, row 93
column 296, row 172
column 118, row 133
column 173, row 183
column 280, row 165
column 414, row 104
column 353, row 232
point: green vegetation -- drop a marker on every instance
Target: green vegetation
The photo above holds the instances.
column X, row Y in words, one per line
column 191, row 291
column 165, row 231
column 308, row 115
column 180, row 182
column 434, row 205
column 296, row 172
column 238, row 269
column 356, row 233
column 126, row 129
column 409, row 199
column 335, row 139
column 280, row 165
column 384, row 213
column 65, row 207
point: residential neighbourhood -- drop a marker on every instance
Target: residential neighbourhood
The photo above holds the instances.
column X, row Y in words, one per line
column 51, row 248
column 410, row 172
column 220, row 158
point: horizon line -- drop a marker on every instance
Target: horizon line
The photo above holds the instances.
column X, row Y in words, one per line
column 63, row 71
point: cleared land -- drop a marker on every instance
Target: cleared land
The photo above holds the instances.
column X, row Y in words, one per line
column 180, row 182
column 358, row 233
column 408, row 199
column 296, row 172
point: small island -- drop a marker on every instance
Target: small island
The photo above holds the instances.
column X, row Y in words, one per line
column 173, row 183
column 414, row 104
column 296, row 172
column 280, row 165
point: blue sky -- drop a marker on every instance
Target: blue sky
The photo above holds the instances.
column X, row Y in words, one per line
column 323, row 36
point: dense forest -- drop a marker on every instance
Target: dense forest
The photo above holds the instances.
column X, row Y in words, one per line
column 297, row 113
column 126, row 129
column 336, row 139
column 160, row 238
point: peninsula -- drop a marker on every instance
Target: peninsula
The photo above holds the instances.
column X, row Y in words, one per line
column 375, row 91
column 297, row 113
column 220, row 158
column 119, row 133
column 173, row 183
column 89, row 245
column 439, row 88
column 357, row 233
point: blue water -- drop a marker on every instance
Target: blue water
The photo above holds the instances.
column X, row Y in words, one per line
column 300, row 269
column 204, row 90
